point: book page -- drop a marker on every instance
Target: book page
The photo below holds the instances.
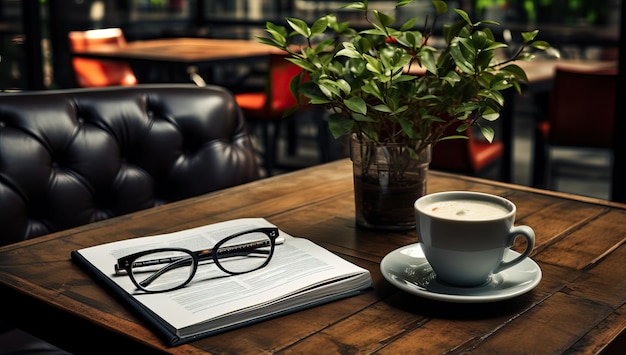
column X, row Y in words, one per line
column 297, row 265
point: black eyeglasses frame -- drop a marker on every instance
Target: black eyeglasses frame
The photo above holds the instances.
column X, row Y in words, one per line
column 126, row 263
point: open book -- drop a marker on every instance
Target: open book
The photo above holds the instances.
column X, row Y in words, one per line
column 300, row 274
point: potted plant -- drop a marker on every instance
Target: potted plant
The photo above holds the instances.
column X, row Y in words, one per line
column 396, row 96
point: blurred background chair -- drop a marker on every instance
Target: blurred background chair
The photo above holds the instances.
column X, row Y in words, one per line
column 471, row 156
column 581, row 114
column 267, row 109
column 94, row 72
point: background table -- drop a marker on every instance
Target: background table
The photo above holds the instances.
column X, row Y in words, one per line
column 181, row 50
column 177, row 56
column 578, row 307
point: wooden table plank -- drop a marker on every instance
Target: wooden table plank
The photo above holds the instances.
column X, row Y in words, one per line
column 605, row 337
column 588, row 243
column 556, row 323
column 605, row 282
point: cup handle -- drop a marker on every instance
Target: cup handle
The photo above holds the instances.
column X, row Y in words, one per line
column 523, row 231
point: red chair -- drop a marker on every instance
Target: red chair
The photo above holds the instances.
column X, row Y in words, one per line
column 268, row 107
column 470, row 156
column 94, row 72
column 581, row 113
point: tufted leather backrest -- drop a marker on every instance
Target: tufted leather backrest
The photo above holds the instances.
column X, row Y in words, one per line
column 77, row 156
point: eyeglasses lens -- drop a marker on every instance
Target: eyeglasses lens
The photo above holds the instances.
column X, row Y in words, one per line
column 244, row 253
column 162, row 271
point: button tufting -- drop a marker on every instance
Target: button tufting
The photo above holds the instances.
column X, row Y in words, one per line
column 110, row 161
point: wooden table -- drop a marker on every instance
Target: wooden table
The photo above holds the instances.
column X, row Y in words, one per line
column 181, row 50
column 178, row 55
column 578, row 307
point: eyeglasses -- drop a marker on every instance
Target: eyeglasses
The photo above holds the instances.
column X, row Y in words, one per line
column 167, row 269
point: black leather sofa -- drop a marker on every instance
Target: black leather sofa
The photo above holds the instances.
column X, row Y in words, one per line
column 73, row 157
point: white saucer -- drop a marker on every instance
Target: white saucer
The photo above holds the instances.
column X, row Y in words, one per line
column 407, row 269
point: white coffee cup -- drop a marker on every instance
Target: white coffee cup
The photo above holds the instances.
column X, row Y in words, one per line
column 464, row 235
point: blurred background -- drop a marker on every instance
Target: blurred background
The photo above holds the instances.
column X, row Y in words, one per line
column 35, row 53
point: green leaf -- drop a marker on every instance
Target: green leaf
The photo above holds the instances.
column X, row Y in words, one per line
column 403, row 78
column 332, row 86
column 303, row 64
column 339, row 126
column 529, row 36
column 299, row 26
column 374, row 31
column 383, row 18
column 362, row 118
column 451, row 31
column 319, row 26
column 488, row 133
column 280, row 30
column 356, row 104
column 374, row 65
column 491, row 116
column 409, row 24
column 349, row 52
column 500, row 84
column 319, row 101
column 494, row 95
column 294, row 85
column 383, row 108
column 427, row 60
column 272, row 42
column 312, row 92
column 466, row 107
column 412, row 39
column 451, row 77
column 462, row 127
column 358, row 5
column 525, row 57
column 407, row 128
column 461, row 59
column 495, row 45
column 440, row 7
column 517, row 87
column 324, row 45
column 446, row 138
column 379, row 27
column 541, row 45
column 344, row 86
column 487, row 22
column 372, row 89
column 479, row 41
column 464, row 16
column 327, row 90
column 403, row 2
column 516, row 70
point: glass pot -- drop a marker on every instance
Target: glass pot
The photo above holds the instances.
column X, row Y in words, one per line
column 388, row 179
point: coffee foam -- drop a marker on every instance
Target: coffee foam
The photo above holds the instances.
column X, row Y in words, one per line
column 466, row 210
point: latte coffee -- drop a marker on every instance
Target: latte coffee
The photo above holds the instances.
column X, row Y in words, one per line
column 467, row 209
